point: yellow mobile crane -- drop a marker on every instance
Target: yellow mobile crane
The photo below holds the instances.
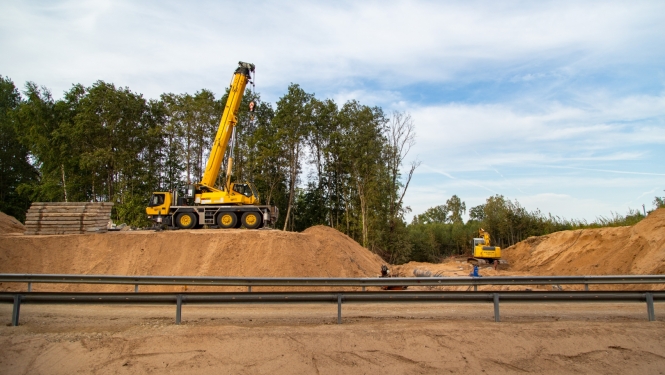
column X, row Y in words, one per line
column 230, row 206
column 484, row 252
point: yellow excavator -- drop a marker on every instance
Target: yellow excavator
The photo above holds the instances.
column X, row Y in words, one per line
column 484, row 253
column 233, row 205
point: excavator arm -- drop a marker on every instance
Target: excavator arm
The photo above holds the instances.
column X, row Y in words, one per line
column 226, row 126
column 485, row 236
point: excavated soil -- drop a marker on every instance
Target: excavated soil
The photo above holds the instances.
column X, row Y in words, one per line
column 633, row 250
column 317, row 252
column 9, row 225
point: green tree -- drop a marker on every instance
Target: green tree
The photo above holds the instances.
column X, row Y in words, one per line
column 436, row 214
column 659, row 202
column 455, row 209
column 292, row 118
column 38, row 121
column 365, row 146
column 15, row 167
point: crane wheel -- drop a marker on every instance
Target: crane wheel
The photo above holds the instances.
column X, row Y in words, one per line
column 251, row 220
column 227, row 220
column 185, row 220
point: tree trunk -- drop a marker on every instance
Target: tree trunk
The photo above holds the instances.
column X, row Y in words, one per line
column 64, row 184
column 363, row 211
column 292, row 182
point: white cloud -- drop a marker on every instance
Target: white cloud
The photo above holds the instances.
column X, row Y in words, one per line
column 507, row 134
column 160, row 47
column 366, row 97
column 398, row 54
column 575, row 195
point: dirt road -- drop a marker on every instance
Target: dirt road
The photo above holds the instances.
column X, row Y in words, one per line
column 386, row 339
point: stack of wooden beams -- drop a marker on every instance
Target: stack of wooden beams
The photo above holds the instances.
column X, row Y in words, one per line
column 67, row 218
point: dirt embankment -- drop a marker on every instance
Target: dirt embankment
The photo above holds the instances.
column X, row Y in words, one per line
column 317, row 252
column 638, row 250
column 9, row 225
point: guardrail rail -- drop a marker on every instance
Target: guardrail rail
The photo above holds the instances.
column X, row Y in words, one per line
column 339, row 297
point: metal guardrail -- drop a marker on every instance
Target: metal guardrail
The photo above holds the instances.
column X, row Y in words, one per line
column 329, row 282
column 305, row 297
column 17, row 299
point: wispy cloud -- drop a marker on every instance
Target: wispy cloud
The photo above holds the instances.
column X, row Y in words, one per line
column 604, row 170
column 341, row 44
column 507, row 97
column 470, row 182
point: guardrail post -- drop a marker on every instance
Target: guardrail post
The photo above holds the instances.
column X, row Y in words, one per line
column 363, row 288
column 339, row 309
column 586, row 287
column 178, row 309
column 650, row 311
column 29, row 287
column 249, row 288
column 136, row 288
column 496, row 308
column 16, row 310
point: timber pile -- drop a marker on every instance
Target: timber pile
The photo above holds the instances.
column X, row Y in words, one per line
column 67, row 218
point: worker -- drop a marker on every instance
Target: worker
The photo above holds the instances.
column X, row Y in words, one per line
column 474, row 273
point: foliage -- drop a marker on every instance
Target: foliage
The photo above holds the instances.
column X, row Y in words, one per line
column 434, row 235
column 319, row 162
column 96, row 144
column 616, row 220
column 659, row 202
column 15, row 166
column 451, row 212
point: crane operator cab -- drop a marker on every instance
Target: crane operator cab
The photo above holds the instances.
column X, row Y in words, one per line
column 157, row 199
column 159, row 205
column 246, row 189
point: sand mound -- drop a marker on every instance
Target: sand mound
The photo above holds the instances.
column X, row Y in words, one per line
column 8, row 224
column 318, row 252
column 638, row 250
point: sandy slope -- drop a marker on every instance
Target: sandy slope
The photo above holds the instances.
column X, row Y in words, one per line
column 318, row 252
column 639, row 249
column 9, row 224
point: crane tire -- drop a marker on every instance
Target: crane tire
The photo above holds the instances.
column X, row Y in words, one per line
column 185, row 220
column 226, row 220
column 251, row 220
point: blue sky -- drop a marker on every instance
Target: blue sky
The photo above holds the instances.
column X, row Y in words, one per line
column 558, row 104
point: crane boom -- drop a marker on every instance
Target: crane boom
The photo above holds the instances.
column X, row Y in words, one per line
column 226, row 124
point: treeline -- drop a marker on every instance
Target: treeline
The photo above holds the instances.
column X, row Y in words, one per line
column 319, row 162
column 441, row 232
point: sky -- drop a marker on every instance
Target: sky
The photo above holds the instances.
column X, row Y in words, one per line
column 559, row 105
